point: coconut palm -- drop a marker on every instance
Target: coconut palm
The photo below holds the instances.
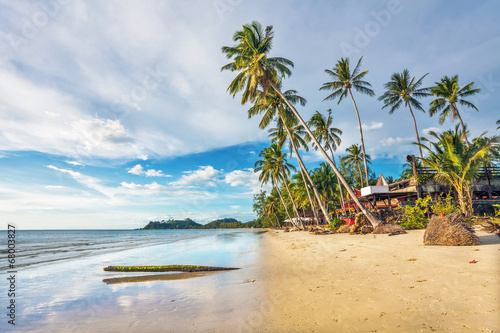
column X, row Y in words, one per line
column 275, row 161
column 325, row 178
column 329, row 136
column 295, row 134
column 354, row 158
column 403, row 89
column 457, row 164
column 268, row 173
column 255, row 69
column 343, row 81
column 448, row 93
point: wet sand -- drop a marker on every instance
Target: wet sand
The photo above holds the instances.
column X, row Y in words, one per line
column 378, row 283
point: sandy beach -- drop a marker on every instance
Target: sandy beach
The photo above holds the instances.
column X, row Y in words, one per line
column 379, row 283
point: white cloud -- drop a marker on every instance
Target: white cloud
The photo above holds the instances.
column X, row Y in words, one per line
column 246, row 177
column 205, row 175
column 396, row 141
column 153, row 187
column 143, row 157
column 75, row 163
column 372, row 126
column 139, row 170
column 54, row 187
column 426, row 131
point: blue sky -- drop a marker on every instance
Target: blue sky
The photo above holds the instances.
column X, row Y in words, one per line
column 115, row 113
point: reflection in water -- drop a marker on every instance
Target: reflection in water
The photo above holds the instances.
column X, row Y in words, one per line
column 156, row 277
column 228, row 238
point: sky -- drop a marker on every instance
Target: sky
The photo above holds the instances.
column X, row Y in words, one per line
column 115, row 113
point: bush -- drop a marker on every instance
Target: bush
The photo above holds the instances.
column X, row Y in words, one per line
column 445, row 205
column 335, row 223
column 416, row 217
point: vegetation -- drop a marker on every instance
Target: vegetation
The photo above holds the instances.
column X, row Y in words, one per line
column 404, row 90
column 226, row 223
column 166, row 268
column 260, row 78
column 416, row 217
column 445, row 205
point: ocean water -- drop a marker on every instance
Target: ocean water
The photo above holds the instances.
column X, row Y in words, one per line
column 61, row 285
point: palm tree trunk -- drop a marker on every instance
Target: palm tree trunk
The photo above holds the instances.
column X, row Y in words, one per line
column 373, row 220
column 416, row 131
column 360, row 174
column 277, row 221
column 338, row 181
column 285, row 180
column 463, row 126
column 313, row 208
column 282, row 201
column 361, row 135
column 303, row 167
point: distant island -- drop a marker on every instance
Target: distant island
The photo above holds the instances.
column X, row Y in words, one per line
column 227, row 223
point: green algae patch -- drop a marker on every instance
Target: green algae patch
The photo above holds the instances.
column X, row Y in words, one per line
column 167, row 268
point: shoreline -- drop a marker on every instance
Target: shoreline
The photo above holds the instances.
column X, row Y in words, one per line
column 377, row 283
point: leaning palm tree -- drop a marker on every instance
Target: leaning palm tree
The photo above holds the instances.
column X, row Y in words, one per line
column 457, row 164
column 286, row 129
column 329, row 136
column 402, row 89
column 255, row 69
column 354, row 158
column 275, row 160
column 448, row 93
column 343, row 81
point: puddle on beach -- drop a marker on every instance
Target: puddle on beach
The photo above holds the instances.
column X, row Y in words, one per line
column 157, row 277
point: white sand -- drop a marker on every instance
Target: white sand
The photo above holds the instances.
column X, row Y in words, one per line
column 379, row 283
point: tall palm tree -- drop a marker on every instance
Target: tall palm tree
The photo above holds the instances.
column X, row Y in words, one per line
column 448, row 93
column 296, row 141
column 256, row 69
column 329, row 136
column 275, row 160
column 402, row 89
column 355, row 157
column 457, row 164
column 325, row 178
column 343, row 81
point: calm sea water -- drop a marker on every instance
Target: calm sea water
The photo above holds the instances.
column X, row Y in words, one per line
column 60, row 277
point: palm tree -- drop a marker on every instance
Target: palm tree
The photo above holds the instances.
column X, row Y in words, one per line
column 498, row 123
column 343, row 81
column 268, row 173
column 275, row 161
column 325, row 178
column 257, row 70
column 448, row 93
column 294, row 134
column 403, row 89
column 457, row 164
column 329, row 136
column 354, row 158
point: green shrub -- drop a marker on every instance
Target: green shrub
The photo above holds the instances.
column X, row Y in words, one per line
column 497, row 212
column 445, row 205
column 416, row 217
column 335, row 223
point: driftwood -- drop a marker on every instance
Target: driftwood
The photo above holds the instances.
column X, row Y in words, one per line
column 167, row 268
column 450, row 230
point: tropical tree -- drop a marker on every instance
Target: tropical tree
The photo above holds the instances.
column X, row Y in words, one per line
column 295, row 134
column 403, row 89
column 325, row 179
column 329, row 136
column 274, row 106
column 343, row 81
column 448, row 93
column 275, row 162
column 457, row 164
column 354, row 158
column 255, row 69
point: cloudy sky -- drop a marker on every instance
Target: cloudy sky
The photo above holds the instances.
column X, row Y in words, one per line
column 113, row 113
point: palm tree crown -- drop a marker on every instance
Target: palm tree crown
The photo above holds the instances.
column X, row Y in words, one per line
column 404, row 89
column 324, row 131
column 344, row 80
column 354, row 158
column 449, row 93
column 253, row 43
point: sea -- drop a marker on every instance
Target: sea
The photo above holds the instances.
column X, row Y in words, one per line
column 60, row 284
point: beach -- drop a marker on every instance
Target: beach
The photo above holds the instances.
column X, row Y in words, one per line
column 379, row 283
